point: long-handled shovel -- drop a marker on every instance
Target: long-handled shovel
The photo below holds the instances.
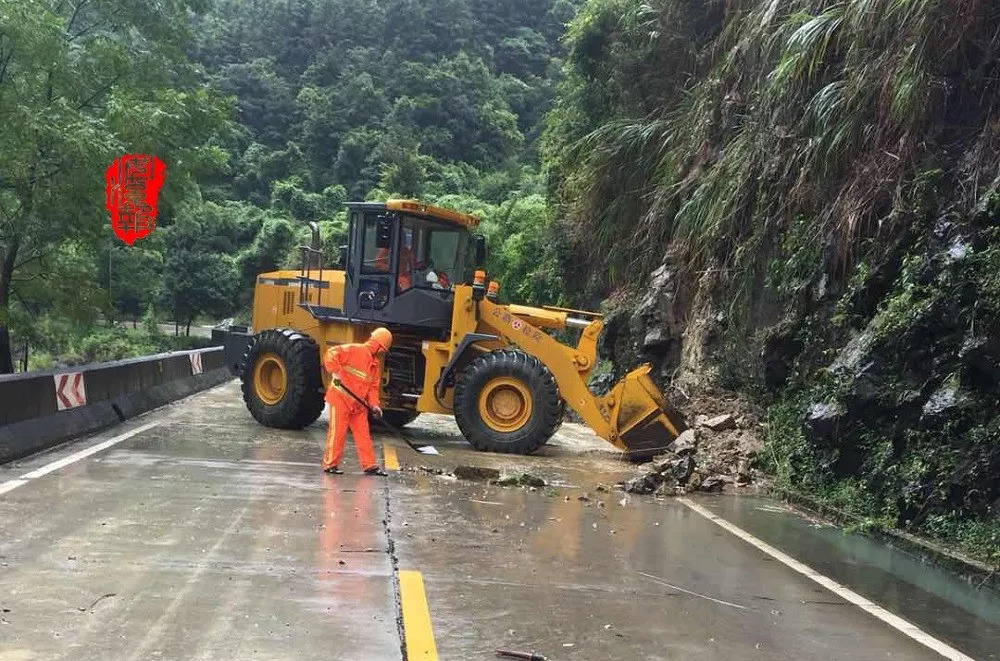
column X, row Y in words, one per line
column 427, row 449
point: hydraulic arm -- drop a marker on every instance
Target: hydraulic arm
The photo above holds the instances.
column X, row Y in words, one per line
column 633, row 416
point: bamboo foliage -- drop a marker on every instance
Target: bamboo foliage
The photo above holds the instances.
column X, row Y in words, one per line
column 800, row 108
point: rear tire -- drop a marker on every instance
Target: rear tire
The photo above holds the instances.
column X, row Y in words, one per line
column 507, row 401
column 397, row 418
column 282, row 386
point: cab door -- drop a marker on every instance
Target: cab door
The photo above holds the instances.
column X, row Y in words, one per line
column 370, row 266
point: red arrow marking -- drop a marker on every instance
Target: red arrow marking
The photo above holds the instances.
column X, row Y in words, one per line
column 63, row 380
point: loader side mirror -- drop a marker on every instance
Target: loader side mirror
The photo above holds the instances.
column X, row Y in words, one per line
column 480, row 250
column 383, row 234
column 343, row 257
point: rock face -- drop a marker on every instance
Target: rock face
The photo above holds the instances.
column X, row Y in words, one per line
column 883, row 377
column 652, row 330
column 823, row 421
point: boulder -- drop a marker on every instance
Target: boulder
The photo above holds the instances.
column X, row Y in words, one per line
column 602, row 384
column 656, row 336
column 641, row 484
column 678, row 469
column 667, row 488
column 713, row 483
column 854, row 354
column 686, row 443
column 721, row 422
column 656, row 323
column 982, row 355
column 824, row 421
column 943, row 403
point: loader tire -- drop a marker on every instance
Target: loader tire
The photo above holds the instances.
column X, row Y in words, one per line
column 395, row 417
column 282, row 386
column 507, row 401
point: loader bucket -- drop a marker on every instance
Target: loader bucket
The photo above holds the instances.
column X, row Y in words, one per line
column 642, row 420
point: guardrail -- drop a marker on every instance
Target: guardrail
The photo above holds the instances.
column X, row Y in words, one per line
column 41, row 409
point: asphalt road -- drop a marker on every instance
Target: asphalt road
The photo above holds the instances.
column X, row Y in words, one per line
column 194, row 533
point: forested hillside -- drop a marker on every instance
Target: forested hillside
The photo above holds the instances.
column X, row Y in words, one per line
column 268, row 114
column 799, row 201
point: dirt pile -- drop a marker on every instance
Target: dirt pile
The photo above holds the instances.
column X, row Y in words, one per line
column 716, row 454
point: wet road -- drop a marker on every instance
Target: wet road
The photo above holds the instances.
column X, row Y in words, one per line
column 194, row 533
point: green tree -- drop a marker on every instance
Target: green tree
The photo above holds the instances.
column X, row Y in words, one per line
column 198, row 278
column 80, row 83
column 136, row 274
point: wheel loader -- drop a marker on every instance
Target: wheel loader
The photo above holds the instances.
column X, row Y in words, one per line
column 414, row 268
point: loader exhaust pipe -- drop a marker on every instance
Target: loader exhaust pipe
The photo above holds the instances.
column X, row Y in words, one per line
column 317, row 242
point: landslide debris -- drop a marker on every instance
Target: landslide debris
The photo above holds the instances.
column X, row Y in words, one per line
column 716, row 454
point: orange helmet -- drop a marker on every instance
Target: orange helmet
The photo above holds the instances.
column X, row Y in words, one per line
column 382, row 338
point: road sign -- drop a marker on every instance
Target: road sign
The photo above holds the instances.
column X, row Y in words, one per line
column 196, row 367
column 70, row 390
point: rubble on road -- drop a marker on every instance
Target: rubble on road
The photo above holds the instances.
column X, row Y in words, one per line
column 715, row 455
column 480, row 474
column 519, row 480
column 476, row 473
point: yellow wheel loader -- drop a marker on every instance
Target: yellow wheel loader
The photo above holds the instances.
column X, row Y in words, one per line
column 412, row 267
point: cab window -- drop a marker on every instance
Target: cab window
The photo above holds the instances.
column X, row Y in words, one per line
column 432, row 255
column 377, row 247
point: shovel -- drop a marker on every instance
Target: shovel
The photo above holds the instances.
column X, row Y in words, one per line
column 427, row 449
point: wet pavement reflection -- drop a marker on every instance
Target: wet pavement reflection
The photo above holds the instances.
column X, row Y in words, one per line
column 211, row 537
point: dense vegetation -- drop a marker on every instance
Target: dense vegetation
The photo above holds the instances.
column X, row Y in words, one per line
column 822, row 178
column 268, row 115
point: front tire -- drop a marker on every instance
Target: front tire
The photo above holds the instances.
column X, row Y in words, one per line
column 282, row 386
column 507, row 401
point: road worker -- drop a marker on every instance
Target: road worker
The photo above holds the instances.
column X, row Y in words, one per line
column 357, row 369
column 404, row 278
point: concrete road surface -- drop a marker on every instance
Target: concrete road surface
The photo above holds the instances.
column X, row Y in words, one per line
column 195, row 533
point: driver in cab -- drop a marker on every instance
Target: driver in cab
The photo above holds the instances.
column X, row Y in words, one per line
column 404, row 280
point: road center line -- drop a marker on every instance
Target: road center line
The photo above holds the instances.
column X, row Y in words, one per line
column 418, row 636
column 391, row 460
column 10, row 485
column 845, row 593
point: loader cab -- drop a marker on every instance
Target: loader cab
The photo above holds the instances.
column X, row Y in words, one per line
column 404, row 259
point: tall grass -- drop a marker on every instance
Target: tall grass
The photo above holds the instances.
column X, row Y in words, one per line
column 828, row 111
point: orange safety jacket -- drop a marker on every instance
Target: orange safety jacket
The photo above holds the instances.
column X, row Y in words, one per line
column 357, row 367
column 405, row 278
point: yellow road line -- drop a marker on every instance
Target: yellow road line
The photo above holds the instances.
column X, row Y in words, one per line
column 391, row 460
column 418, row 637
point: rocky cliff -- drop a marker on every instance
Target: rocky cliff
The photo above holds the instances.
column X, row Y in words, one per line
column 799, row 202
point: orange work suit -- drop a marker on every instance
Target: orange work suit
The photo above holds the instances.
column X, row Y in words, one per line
column 357, row 367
